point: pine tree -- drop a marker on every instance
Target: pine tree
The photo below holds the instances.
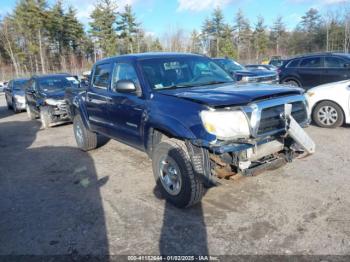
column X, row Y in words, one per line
column 128, row 28
column 103, row 26
column 260, row 38
column 278, row 31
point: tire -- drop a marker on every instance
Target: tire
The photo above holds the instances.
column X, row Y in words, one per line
column 170, row 157
column 31, row 115
column 8, row 104
column 14, row 107
column 328, row 114
column 45, row 117
column 86, row 140
column 292, row 82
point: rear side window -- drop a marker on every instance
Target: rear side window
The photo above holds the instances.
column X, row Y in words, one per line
column 101, row 76
column 311, row 62
column 293, row 63
column 334, row 62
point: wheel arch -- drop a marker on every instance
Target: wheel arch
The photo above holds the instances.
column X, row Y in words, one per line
column 291, row 78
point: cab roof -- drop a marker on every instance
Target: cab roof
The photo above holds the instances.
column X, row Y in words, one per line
column 148, row 55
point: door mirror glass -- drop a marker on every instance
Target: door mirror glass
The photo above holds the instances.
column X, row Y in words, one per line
column 124, row 86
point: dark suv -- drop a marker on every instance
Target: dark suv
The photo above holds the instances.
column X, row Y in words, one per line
column 45, row 98
column 315, row 69
column 191, row 118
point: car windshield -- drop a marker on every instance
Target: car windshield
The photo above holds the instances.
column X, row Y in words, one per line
column 182, row 72
column 230, row 65
column 54, row 84
column 19, row 85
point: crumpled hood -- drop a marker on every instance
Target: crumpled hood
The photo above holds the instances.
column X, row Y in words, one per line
column 232, row 94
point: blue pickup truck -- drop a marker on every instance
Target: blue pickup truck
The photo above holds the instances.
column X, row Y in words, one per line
column 192, row 119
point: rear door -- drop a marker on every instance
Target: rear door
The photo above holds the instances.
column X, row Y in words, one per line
column 310, row 71
column 126, row 109
column 97, row 98
column 336, row 69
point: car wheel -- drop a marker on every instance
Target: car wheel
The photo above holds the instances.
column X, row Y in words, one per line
column 30, row 113
column 45, row 117
column 292, row 83
column 174, row 174
column 8, row 104
column 328, row 114
column 86, row 140
column 14, row 106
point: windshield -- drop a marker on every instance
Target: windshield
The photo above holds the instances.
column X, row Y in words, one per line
column 230, row 65
column 19, row 85
column 182, row 72
column 54, row 84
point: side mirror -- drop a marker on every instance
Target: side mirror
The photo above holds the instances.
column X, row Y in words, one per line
column 347, row 65
column 125, row 86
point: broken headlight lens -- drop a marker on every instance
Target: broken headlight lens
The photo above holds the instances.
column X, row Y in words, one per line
column 226, row 125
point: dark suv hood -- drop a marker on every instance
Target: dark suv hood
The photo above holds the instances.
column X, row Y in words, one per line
column 232, row 94
column 58, row 95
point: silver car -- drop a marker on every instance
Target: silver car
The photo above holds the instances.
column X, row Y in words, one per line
column 14, row 95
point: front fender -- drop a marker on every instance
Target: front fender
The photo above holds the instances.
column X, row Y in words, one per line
column 80, row 108
column 170, row 126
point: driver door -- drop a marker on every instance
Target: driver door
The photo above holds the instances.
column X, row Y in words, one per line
column 126, row 110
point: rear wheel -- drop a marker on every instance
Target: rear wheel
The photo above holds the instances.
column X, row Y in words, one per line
column 328, row 114
column 174, row 174
column 30, row 113
column 291, row 82
column 86, row 140
column 45, row 117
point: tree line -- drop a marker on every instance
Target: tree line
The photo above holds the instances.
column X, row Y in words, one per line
column 39, row 38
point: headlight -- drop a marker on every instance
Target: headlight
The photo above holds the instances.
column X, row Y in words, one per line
column 226, row 125
column 245, row 79
column 53, row 102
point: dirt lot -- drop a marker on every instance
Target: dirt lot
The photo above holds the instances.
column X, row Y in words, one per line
column 56, row 199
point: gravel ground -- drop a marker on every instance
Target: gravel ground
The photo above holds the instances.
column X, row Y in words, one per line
column 56, row 199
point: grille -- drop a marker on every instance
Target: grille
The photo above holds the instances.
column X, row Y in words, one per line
column 271, row 117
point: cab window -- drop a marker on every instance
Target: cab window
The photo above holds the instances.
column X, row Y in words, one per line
column 101, row 76
column 123, row 71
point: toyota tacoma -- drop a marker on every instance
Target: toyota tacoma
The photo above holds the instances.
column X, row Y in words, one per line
column 192, row 119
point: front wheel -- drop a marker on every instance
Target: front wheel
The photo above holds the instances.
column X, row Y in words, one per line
column 328, row 114
column 174, row 174
column 30, row 113
column 86, row 140
column 45, row 117
column 8, row 104
column 14, row 107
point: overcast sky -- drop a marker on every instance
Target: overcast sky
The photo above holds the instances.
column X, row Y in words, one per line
column 157, row 16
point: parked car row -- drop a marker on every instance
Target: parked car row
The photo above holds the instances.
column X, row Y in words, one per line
column 188, row 113
column 185, row 111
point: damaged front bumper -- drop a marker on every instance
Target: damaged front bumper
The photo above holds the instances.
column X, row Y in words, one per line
column 256, row 155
